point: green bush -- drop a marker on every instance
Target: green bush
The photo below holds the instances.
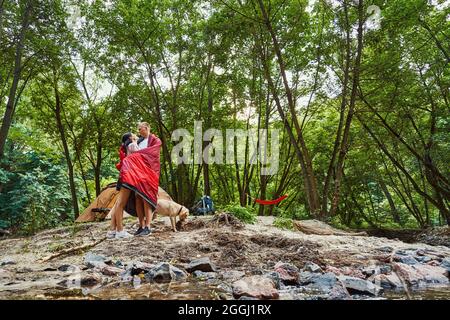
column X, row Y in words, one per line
column 245, row 214
column 297, row 213
column 283, row 223
column 34, row 192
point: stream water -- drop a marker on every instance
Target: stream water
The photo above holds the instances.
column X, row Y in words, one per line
column 193, row 290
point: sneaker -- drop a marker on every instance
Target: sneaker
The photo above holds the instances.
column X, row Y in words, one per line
column 138, row 231
column 111, row 234
column 123, row 235
column 145, row 232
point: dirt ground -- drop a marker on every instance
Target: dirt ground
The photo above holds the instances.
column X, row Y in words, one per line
column 250, row 248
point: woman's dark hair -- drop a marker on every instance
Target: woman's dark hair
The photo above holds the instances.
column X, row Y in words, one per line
column 126, row 138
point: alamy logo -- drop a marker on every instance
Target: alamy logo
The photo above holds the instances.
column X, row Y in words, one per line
column 239, row 146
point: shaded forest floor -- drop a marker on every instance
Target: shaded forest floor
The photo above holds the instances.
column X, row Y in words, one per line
column 300, row 266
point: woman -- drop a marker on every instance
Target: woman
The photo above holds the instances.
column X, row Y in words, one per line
column 128, row 146
column 139, row 175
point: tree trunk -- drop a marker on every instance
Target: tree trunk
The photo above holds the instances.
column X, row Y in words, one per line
column 311, row 184
column 345, row 138
column 206, row 184
column 343, row 105
column 98, row 161
column 62, row 134
column 9, row 112
column 387, row 194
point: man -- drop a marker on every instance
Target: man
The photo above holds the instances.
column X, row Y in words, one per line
column 143, row 208
column 139, row 176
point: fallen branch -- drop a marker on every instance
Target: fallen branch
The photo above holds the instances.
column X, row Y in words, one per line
column 396, row 270
column 321, row 228
column 70, row 250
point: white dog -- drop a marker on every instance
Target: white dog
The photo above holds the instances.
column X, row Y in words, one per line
column 171, row 209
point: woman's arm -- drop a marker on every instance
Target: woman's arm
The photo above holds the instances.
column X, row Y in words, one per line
column 132, row 147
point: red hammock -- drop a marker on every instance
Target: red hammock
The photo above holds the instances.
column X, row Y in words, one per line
column 269, row 202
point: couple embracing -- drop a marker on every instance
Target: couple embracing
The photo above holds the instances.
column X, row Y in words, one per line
column 138, row 182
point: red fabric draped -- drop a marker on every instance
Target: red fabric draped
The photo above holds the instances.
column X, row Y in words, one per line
column 122, row 155
column 269, row 202
column 139, row 171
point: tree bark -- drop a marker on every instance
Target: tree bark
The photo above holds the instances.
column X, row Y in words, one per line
column 387, row 194
column 345, row 138
column 343, row 105
column 10, row 106
column 310, row 180
column 62, row 134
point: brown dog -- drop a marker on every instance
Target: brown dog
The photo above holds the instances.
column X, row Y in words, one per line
column 172, row 209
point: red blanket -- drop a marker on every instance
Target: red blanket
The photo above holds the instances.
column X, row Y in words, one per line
column 139, row 171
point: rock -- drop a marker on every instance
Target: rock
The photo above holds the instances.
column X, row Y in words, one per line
column 96, row 264
column 137, row 268
column 406, row 259
column 259, row 287
column 326, row 285
column 385, row 269
column 204, row 275
column 386, row 249
column 92, row 257
column 90, row 279
column 68, row 267
column 276, row 278
column 165, row 272
column 387, row 281
column 111, row 271
column 288, row 273
column 333, row 270
column 323, row 282
column 421, row 274
column 24, row 270
column 433, row 263
column 232, row 275
column 5, row 274
column 371, row 270
column 401, row 252
column 202, row 264
column 50, row 269
column 352, row 272
column 359, row 286
column 420, row 252
column 312, row 267
column 423, row 259
column 445, row 263
column 247, row 298
column 7, row 261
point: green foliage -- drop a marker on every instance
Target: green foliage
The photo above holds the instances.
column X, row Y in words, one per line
column 245, row 214
column 294, row 213
column 34, row 194
column 283, row 223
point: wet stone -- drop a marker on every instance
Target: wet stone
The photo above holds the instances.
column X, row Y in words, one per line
column 406, row 259
column 201, row 264
column 288, row 273
column 259, row 287
column 312, row 267
column 359, row 286
column 7, row 261
column 165, row 272
column 204, row 275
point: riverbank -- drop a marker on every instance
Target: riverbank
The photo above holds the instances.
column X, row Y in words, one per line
column 218, row 259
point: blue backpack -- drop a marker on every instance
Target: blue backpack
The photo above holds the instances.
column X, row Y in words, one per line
column 204, row 206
